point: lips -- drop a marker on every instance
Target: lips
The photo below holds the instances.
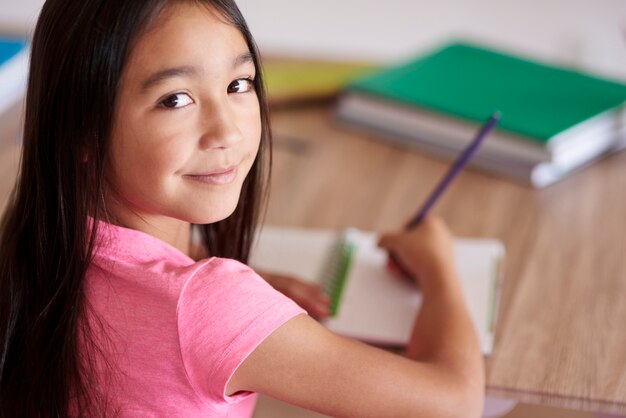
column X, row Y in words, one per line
column 218, row 177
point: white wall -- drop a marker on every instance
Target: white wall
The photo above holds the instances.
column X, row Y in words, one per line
column 18, row 16
column 588, row 34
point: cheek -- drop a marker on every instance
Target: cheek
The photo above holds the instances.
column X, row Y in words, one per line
column 150, row 146
column 144, row 160
column 252, row 134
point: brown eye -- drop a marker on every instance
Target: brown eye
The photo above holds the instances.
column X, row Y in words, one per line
column 242, row 85
column 175, row 101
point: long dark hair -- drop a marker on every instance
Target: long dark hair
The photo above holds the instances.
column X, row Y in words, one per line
column 79, row 50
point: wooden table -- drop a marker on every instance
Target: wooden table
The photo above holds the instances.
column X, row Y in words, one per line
column 561, row 333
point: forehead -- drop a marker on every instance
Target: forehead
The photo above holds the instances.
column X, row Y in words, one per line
column 186, row 33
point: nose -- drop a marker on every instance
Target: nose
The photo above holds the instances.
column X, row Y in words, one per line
column 219, row 127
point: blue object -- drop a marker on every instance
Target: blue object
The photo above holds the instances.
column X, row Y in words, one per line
column 10, row 47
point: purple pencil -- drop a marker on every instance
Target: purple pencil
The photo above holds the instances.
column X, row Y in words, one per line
column 455, row 169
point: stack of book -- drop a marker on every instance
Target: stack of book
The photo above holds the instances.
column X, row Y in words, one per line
column 554, row 120
column 14, row 54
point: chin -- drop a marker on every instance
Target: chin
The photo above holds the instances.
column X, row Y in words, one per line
column 213, row 214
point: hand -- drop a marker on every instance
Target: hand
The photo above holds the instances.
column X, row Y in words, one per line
column 425, row 252
column 308, row 295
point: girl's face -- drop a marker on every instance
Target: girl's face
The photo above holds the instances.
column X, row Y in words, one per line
column 187, row 125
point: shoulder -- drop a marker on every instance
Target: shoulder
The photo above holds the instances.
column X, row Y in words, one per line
column 224, row 311
column 226, row 267
column 230, row 290
column 221, row 277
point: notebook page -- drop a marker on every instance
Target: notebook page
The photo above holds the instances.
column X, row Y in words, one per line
column 300, row 253
column 380, row 308
column 376, row 306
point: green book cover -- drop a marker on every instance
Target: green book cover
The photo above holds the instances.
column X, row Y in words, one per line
column 469, row 82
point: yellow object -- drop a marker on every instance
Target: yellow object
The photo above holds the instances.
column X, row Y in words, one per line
column 294, row 81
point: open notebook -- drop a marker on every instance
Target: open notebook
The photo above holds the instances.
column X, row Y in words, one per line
column 369, row 303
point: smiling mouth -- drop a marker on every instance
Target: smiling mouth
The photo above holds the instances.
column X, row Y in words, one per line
column 216, row 178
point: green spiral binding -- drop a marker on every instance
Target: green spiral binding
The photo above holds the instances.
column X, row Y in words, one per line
column 335, row 274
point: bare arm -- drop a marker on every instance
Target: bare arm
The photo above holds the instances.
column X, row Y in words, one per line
column 443, row 331
column 304, row 364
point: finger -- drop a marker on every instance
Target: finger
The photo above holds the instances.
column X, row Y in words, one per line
column 396, row 269
column 318, row 311
column 393, row 267
column 392, row 241
column 384, row 242
column 312, row 299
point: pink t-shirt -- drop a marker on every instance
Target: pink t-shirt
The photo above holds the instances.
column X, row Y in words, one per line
column 173, row 330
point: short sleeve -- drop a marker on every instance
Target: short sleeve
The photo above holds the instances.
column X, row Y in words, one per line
column 225, row 311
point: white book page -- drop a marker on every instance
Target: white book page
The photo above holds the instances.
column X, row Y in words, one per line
column 376, row 306
column 300, row 253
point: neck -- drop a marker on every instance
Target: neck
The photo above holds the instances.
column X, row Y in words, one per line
column 173, row 231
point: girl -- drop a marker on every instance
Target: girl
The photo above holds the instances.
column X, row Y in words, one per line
column 146, row 119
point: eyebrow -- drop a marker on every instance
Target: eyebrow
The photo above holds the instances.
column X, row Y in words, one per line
column 158, row 77
column 188, row 71
column 243, row 59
